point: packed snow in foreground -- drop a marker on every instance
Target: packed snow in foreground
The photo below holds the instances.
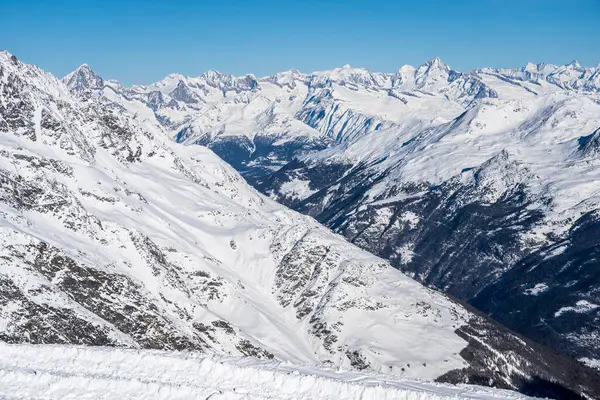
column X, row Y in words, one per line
column 68, row 372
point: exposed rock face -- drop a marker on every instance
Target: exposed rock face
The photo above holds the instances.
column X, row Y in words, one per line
column 84, row 80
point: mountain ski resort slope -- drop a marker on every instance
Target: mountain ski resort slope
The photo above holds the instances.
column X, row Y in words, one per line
column 114, row 235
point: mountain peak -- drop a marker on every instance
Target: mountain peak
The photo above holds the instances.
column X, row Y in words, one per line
column 285, row 78
column 212, row 74
column 83, row 79
column 432, row 71
column 84, row 69
column 289, row 72
column 6, row 56
column 542, row 68
column 530, row 67
column 574, row 64
column 348, row 75
column 436, row 63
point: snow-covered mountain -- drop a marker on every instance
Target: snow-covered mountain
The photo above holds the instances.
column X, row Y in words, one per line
column 487, row 205
column 114, row 235
column 260, row 124
column 61, row 372
column 497, row 167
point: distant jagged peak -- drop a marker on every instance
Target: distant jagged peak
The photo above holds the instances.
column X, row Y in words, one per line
column 174, row 76
column 434, row 66
column 500, row 159
column 228, row 82
column 286, row 78
column 83, row 69
column 182, row 92
column 6, row 56
column 539, row 68
column 290, row 72
column 169, row 82
column 503, row 157
column 502, row 166
column 346, row 69
column 498, row 175
column 432, row 71
column 436, row 63
column 351, row 76
column 573, row 69
column 83, row 79
column 209, row 79
column 114, row 83
column 406, row 68
column 214, row 75
column 530, row 67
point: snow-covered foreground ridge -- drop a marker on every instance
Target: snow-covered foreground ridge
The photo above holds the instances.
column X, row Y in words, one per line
column 67, row 372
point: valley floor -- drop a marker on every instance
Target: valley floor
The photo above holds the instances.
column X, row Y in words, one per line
column 69, row 372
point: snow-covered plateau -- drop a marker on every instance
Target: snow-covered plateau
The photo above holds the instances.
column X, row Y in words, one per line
column 113, row 234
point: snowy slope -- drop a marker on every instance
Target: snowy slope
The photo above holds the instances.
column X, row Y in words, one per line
column 379, row 157
column 114, row 235
column 60, row 372
column 461, row 203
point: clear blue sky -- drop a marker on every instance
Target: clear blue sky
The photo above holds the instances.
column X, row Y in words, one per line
column 139, row 42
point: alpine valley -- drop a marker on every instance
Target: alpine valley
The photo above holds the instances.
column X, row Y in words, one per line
column 485, row 185
column 119, row 226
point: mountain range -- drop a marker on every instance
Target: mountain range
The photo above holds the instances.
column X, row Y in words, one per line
column 482, row 184
column 121, row 226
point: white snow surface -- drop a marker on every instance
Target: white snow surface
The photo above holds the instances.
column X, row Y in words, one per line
column 582, row 306
column 537, row 289
column 67, row 372
column 591, row 362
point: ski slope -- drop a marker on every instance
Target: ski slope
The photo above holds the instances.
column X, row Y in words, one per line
column 69, row 372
